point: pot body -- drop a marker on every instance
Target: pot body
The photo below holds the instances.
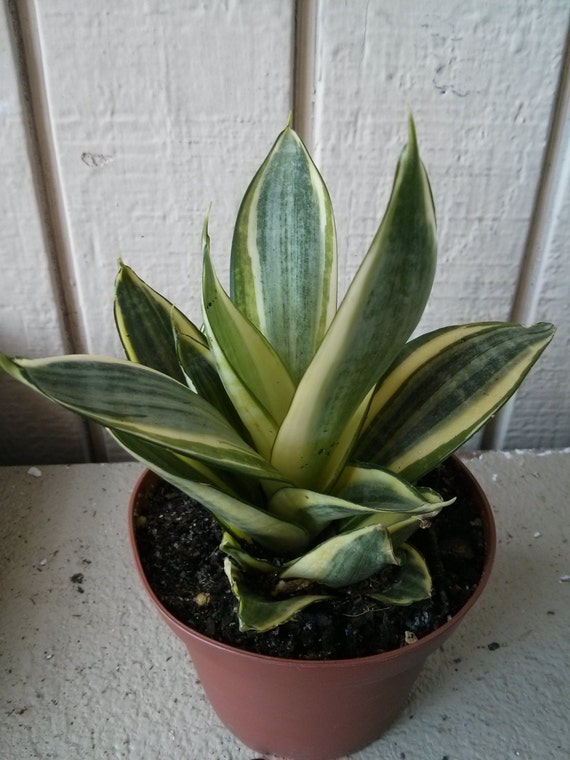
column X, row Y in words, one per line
column 311, row 710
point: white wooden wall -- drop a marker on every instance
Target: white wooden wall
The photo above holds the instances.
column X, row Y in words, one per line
column 122, row 121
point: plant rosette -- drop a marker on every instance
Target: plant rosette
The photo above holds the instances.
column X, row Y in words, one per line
column 304, row 426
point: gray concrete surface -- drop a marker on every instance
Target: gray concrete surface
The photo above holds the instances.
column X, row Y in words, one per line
column 87, row 670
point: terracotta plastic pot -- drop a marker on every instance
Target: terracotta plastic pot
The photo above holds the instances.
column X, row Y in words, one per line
column 311, row 710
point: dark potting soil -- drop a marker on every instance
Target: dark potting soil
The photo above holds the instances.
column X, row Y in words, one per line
column 178, row 544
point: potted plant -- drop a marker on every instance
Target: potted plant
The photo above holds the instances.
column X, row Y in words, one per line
column 305, row 430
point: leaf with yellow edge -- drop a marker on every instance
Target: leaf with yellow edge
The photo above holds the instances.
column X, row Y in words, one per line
column 379, row 312
column 344, row 559
column 283, row 265
column 414, row 583
column 442, row 388
column 258, row 613
column 253, row 374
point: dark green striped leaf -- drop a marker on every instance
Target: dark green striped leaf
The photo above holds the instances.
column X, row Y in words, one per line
column 312, row 509
column 246, row 521
column 385, row 491
column 167, row 462
column 201, row 374
column 144, row 321
column 444, row 386
column 135, row 399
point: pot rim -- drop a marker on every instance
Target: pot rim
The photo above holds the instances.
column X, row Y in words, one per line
column 430, row 641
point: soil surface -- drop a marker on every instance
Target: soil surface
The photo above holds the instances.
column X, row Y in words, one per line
column 178, row 544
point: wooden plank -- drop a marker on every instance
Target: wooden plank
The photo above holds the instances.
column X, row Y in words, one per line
column 480, row 78
column 31, row 429
column 156, row 118
column 541, row 410
column 157, row 111
column 540, row 414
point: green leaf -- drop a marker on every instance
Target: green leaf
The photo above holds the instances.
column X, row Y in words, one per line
column 283, row 266
column 415, row 582
column 201, row 374
column 385, row 491
column 344, row 559
column 252, row 372
column 256, row 612
column 236, row 515
column 269, row 531
column 364, row 496
column 431, row 496
column 379, row 312
column 311, row 509
column 155, row 333
column 399, row 525
column 243, row 559
column 165, row 461
column 136, row 399
column 176, row 468
column 144, row 321
column 444, row 387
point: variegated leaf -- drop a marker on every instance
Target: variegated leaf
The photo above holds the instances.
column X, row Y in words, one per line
column 283, row 267
column 247, row 521
column 136, row 399
column 383, row 490
column 444, row 386
column 415, row 582
column 259, row 613
column 144, row 321
column 163, row 460
column 201, row 372
column 399, row 525
column 312, row 509
column 254, row 376
column 344, row 559
column 243, row 559
column 379, row 312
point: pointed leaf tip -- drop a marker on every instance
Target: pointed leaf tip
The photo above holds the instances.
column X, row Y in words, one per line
column 412, row 136
column 206, row 222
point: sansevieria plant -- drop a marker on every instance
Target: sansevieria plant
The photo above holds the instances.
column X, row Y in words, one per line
column 302, row 427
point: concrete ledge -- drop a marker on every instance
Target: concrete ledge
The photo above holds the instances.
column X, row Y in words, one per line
column 87, row 670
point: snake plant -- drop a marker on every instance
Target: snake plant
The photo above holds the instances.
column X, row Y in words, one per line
column 302, row 427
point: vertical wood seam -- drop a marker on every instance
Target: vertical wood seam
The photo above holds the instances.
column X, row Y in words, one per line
column 29, row 62
column 44, row 165
column 304, row 70
column 548, row 202
column 552, row 185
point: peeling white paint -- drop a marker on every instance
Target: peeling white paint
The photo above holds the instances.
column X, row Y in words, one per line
column 96, row 160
